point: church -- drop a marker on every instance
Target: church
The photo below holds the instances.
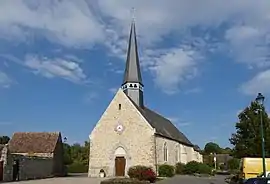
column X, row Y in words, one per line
column 129, row 133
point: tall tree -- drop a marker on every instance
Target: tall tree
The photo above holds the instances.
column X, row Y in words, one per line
column 247, row 139
column 4, row 139
column 212, row 147
column 67, row 154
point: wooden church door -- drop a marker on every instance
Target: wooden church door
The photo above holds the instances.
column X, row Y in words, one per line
column 120, row 164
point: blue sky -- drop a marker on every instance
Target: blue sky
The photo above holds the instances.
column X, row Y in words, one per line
column 62, row 61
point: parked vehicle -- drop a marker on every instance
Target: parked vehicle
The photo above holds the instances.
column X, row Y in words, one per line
column 262, row 175
column 252, row 167
column 257, row 181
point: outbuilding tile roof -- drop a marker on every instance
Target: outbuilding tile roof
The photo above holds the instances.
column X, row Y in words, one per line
column 33, row 142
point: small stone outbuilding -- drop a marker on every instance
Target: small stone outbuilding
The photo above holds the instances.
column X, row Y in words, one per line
column 33, row 155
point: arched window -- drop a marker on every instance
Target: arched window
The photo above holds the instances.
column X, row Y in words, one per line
column 165, row 152
column 177, row 153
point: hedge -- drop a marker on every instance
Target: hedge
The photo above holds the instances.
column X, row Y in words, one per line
column 77, row 168
column 123, row 181
column 196, row 167
column 166, row 170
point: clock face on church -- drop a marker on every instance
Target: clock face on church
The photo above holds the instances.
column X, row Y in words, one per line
column 119, row 128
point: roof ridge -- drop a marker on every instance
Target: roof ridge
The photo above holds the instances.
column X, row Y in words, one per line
column 36, row 132
column 171, row 132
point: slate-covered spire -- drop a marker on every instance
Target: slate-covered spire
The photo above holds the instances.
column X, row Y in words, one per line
column 132, row 83
column 132, row 71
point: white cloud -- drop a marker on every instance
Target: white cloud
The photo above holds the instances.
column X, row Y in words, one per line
column 70, row 23
column 88, row 22
column 249, row 45
column 55, row 68
column 246, row 33
column 258, row 84
column 51, row 67
column 173, row 68
column 5, row 80
column 178, row 122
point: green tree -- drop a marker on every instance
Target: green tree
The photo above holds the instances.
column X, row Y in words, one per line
column 233, row 163
column 247, row 139
column 227, row 150
column 212, row 147
column 67, row 154
column 76, row 157
column 85, row 153
column 4, row 139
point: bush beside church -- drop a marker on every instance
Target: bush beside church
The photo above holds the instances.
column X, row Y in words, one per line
column 144, row 173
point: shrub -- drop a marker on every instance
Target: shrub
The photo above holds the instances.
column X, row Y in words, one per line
column 233, row 163
column 204, row 169
column 196, row 167
column 166, row 170
column 142, row 173
column 123, row 181
column 77, row 167
column 191, row 167
column 179, row 168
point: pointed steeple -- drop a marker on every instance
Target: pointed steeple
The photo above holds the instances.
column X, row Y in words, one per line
column 132, row 71
column 132, row 83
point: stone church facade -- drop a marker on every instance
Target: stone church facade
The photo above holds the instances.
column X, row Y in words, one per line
column 128, row 133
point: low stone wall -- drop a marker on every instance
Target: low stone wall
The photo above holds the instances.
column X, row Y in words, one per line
column 29, row 167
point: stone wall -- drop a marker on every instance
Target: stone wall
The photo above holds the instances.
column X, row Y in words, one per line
column 136, row 140
column 30, row 167
column 35, row 167
column 176, row 152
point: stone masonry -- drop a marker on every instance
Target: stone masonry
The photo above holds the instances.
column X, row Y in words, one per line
column 137, row 138
column 30, row 167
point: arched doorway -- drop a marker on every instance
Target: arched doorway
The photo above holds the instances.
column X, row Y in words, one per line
column 120, row 161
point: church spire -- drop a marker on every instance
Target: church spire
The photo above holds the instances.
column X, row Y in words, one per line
column 132, row 71
column 132, row 83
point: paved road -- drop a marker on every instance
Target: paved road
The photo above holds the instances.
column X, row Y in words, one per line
column 83, row 179
column 194, row 180
column 77, row 179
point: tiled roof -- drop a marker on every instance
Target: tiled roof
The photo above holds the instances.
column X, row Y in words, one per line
column 196, row 148
column 163, row 126
column 33, row 142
